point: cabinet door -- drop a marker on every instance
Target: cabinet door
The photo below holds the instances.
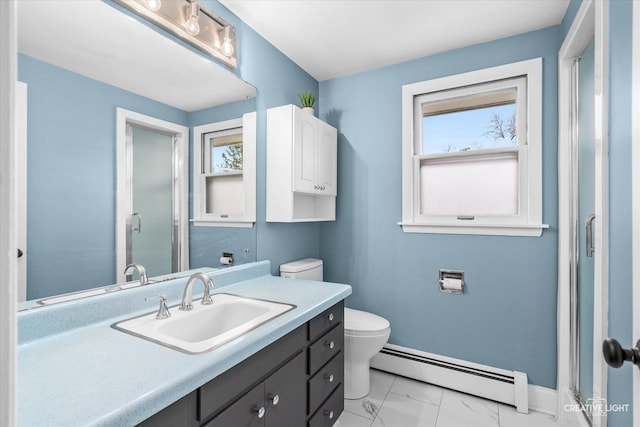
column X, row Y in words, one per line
column 285, row 394
column 179, row 414
column 326, row 160
column 243, row 413
column 305, row 136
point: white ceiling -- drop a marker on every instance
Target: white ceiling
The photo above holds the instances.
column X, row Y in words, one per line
column 96, row 40
column 332, row 38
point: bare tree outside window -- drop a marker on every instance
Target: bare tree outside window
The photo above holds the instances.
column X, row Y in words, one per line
column 231, row 158
column 499, row 129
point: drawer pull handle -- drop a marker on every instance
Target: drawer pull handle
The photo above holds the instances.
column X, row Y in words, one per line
column 274, row 399
column 330, row 316
column 329, row 377
column 329, row 414
column 330, row 344
column 260, row 411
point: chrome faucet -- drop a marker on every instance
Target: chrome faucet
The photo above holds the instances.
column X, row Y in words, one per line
column 141, row 273
column 187, row 297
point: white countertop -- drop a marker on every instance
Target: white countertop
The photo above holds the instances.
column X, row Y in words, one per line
column 94, row 375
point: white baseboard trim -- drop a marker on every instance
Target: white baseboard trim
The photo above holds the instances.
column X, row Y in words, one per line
column 488, row 382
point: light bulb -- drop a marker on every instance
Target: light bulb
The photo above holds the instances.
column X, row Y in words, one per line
column 192, row 25
column 153, row 5
column 227, row 46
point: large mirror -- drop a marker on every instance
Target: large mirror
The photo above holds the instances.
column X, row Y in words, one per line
column 81, row 63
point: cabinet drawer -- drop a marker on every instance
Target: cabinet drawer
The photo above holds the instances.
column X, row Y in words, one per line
column 325, row 381
column 326, row 320
column 325, row 348
column 329, row 412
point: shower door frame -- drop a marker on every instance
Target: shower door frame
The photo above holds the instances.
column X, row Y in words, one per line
column 124, row 191
column 591, row 22
column 635, row 186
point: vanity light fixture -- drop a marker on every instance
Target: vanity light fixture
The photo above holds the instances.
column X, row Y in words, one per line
column 191, row 22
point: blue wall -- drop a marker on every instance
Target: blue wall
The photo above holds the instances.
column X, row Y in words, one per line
column 507, row 317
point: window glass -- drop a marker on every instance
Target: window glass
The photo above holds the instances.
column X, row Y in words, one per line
column 471, row 123
column 225, row 153
column 469, row 187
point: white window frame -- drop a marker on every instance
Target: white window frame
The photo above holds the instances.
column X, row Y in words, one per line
column 529, row 220
column 248, row 217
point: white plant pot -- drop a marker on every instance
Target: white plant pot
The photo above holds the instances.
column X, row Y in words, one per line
column 308, row 110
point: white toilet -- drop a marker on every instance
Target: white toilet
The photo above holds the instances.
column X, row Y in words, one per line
column 364, row 333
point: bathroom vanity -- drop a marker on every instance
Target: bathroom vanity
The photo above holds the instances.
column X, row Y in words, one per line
column 76, row 369
column 306, row 365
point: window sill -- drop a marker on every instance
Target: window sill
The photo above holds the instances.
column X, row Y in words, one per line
column 230, row 224
column 534, row 230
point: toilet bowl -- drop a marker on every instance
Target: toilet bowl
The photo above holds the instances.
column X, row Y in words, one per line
column 364, row 333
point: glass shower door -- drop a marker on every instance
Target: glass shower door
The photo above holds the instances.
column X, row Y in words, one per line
column 585, row 221
column 151, row 231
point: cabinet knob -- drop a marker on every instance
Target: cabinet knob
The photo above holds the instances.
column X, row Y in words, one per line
column 330, row 317
column 260, row 411
column 329, row 414
column 330, row 344
column 329, row 377
column 274, row 399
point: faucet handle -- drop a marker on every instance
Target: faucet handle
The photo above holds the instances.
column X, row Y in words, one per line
column 163, row 310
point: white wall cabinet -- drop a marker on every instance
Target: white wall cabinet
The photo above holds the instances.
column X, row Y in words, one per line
column 301, row 166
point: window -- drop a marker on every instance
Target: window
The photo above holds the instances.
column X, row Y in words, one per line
column 224, row 182
column 472, row 152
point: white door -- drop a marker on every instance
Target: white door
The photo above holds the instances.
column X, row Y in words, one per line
column 327, row 151
column 305, row 137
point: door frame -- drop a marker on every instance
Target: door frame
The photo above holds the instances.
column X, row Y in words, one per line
column 124, row 200
column 635, row 197
column 21, row 189
column 590, row 22
column 8, row 185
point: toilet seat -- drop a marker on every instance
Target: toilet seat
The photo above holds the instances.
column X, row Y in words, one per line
column 362, row 323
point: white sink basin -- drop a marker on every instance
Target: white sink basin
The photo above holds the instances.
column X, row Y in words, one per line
column 206, row 326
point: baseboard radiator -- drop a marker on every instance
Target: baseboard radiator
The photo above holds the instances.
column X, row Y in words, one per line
column 504, row 386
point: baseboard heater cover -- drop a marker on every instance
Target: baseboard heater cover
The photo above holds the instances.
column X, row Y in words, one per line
column 501, row 385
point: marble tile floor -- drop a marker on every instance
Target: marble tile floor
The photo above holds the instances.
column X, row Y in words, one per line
column 396, row 401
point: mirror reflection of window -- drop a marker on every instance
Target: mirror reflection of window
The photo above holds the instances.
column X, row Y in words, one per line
column 225, row 152
column 223, row 172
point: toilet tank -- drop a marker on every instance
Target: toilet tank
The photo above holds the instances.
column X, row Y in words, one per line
column 308, row 268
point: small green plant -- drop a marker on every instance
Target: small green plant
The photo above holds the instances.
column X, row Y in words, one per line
column 307, row 99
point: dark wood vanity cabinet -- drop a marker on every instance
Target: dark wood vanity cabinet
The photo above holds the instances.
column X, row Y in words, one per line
column 325, row 367
column 278, row 401
column 295, row 381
